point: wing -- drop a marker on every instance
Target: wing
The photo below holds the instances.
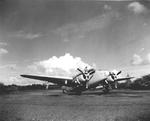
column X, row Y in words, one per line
column 52, row 79
column 126, row 78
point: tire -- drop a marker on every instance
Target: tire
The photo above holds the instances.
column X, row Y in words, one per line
column 64, row 91
column 106, row 89
column 78, row 93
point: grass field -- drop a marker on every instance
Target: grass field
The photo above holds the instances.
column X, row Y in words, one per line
column 52, row 105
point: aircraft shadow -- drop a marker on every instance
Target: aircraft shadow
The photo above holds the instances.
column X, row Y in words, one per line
column 83, row 93
column 116, row 93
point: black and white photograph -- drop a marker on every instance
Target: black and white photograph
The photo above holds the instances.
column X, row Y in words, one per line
column 74, row 60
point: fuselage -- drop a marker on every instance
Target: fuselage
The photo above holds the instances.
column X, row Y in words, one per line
column 95, row 79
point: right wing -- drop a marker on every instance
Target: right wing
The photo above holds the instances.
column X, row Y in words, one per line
column 126, row 78
column 52, row 79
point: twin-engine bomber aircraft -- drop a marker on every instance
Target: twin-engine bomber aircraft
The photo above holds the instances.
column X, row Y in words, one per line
column 86, row 79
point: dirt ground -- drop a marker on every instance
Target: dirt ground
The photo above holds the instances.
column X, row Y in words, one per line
column 52, row 105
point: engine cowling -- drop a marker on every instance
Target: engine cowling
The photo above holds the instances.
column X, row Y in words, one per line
column 114, row 76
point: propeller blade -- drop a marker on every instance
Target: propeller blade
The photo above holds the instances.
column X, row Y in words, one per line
column 116, row 84
column 82, row 72
column 119, row 72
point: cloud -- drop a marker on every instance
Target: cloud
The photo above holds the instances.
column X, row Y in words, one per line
column 78, row 30
column 9, row 66
column 10, row 74
column 107, row 7
column 59, row 66
column 148, row 58
column 112, row 0
column 3, row 51
column 3, row 44
column 20, row 81
column 138, row 60
column 27, row 35
column 136, row 7
column 32, row 36
column 13, row 80
column 142, row 49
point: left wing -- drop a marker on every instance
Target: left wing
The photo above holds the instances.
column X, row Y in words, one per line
column 52, row 79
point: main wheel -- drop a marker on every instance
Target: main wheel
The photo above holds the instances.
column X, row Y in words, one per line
column 78, row 93
column 106, row 89
column 64, row 91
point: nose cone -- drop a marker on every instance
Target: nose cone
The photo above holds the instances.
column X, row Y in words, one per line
column 110, row 79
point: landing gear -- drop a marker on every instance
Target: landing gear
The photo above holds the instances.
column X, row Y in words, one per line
column 70, row 92
column 78, row 92
column 64, row 91
column 106, row 88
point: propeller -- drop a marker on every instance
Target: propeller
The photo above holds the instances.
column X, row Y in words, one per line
column 81, row 72
column 119, row 72
column 114, row 77
column 85, row 73
column 76, row 80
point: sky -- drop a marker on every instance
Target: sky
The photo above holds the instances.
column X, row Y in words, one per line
column 54, row 37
